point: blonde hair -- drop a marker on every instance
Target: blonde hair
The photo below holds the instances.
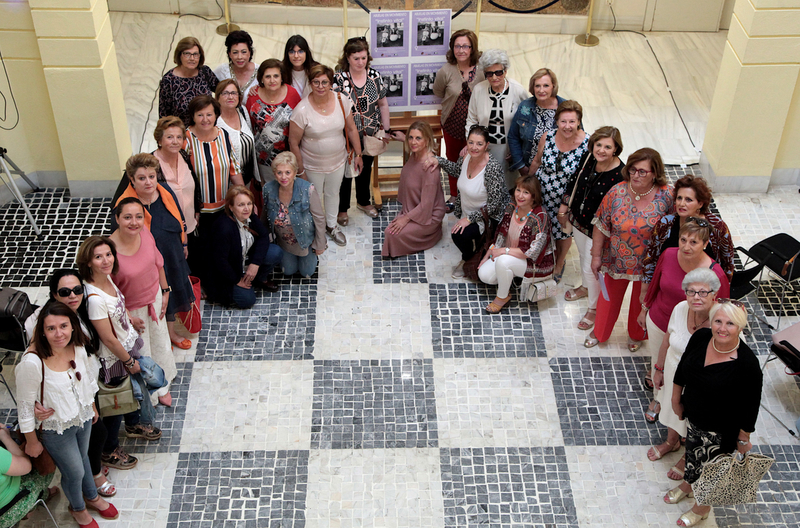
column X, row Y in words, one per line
column 736, row 314
column 286, row 158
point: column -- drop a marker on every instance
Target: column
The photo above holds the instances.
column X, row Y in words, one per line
column 82, row 76
column 754, row 110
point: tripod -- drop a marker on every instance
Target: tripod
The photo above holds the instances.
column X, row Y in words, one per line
column 15, row 190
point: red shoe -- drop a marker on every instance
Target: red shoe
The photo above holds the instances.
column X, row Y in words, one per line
column 109, row 513
column 92, row 524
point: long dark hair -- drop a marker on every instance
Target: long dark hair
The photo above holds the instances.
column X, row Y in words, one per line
column 83, row 313
column 286, row 68
column 40, row 343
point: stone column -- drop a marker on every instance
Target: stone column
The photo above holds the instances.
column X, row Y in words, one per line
column 82, row 76
column 752, row 113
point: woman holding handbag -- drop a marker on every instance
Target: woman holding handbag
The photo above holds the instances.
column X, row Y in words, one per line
column 600, row 170
column 120, row 342
column 717, row 388
column 57, row 373
column 367, row 93
column 318, row 137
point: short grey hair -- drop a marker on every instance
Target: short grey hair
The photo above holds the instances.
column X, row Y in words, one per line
column 494, row 56
column 701, row 276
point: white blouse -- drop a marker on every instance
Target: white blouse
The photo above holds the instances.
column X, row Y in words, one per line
column 472, row 191
column 103, row 306
column 69, row 398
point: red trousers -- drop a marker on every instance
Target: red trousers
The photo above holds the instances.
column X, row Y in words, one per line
column 608, row 310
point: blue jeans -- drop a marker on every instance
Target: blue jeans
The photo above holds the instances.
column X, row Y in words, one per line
column 246, row 297
column 70, row 453
column 305, row 265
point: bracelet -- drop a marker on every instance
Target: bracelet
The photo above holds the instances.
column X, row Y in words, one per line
column 744, row 442
column 645, row 308
column 659, row 369
column 561, row 214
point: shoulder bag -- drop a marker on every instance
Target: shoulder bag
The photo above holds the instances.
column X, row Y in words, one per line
column 567, row 228
column 349, row 169
column 726, row 481
column 43, row 464
column 192, row 320
column 373, row 145
column 537, row 288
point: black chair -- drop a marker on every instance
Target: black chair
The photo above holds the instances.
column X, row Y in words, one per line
column 778, row 254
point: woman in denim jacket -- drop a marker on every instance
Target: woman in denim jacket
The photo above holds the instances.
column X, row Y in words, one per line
column 533, row 119
column 295, row 216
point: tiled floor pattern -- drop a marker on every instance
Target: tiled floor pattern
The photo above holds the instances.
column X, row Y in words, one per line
column 342, row 402
column 405, row 269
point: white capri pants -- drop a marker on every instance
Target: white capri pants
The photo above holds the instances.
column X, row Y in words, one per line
column 584, row 244
column 327, row 185
column 501, row 271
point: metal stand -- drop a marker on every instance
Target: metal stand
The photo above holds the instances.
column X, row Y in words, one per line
column 15, row 190
column 588, row 40
column 227, row 27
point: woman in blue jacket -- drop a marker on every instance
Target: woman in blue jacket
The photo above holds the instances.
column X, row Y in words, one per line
column 242, row 255
column 534, row 118
column 295, row 216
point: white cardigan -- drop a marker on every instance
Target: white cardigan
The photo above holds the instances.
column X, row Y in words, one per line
column 480, row 106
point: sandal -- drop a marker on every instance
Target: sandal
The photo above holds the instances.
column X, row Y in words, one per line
column 591, row 341
column 691, row 518
column 651, row 415
column 51, row 492
column 495, row 307
column 185, row 344
column 557, row 276
column 342, row 219
column 109, row 513
column 119, row 459
column 576, row 293
column 675, row 495
column 369, row 211
column 676, row 470
column 106, row 489
column 648, row 381
column 658, row 455
column 585, row 323
column 633, row 346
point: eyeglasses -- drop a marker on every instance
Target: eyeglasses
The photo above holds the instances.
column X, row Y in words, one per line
column 699, row 221
column 320, row 84
column 230, row 94
column 701, row 293
column 640, row 172
column 297, row 52
column 191, row 55
column 74, row 367
column 64, row 292
column 738, row 304
column 490, row 74
column 464, row 47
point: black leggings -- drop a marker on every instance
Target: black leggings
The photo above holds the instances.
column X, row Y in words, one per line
column 469, row 241
column 96, row 442
column 363, row 192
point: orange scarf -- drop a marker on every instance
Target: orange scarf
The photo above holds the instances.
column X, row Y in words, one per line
column 169, row 203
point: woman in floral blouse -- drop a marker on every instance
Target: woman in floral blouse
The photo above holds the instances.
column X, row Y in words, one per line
column 185, row 81
column 623, row 226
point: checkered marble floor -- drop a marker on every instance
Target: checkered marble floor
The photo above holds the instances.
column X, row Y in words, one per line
column 379, row 393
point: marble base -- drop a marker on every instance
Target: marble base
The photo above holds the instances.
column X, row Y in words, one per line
column 40, row 178
column 93, row 188
column 785, row 177
column 733, row 184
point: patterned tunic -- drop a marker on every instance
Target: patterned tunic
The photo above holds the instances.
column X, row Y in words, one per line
column 367, row 114
column 497, row 125
column 556, row 169
column 271, row 123
column 175, row 92
column 546, row 121
column 214, row 164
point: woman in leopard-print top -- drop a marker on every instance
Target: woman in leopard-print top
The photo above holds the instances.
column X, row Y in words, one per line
column 371, row 113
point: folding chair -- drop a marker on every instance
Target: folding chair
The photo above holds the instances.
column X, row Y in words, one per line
column 778, row 254
column 785, row 346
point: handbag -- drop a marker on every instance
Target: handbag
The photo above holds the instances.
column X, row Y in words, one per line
column 116, row 400
column 44, row 463
column 540, row 287
column 373, row 145
column 725, row 480
column 349, row 168
column 15, row 308
column 567, row 227
column 193, row 319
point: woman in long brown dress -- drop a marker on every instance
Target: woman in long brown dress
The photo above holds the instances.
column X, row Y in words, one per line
column 419, row 224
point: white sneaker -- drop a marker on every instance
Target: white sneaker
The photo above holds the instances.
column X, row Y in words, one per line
column 458, row 271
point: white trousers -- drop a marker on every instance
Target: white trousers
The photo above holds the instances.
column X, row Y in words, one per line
column 501, row 271
column 327, row 185
column 584, row 245
column 654, row 339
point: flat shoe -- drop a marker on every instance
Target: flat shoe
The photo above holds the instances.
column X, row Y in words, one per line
column 675, row 495
column 165, row 400
column 690, row 518
column 369, row 211
column 342, row 219
column 494, row 308
column 109, row 513
column 657, row 454
column 92, row 524
column 633, row 346
column 576, row 293
column 183, row 345
column 585, row 323
column 591, row 342
column 674, row 469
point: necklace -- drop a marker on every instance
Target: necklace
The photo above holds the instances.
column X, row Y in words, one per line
column 696, row 325
column 524, row 218
column 638, row 196
column 714, row 344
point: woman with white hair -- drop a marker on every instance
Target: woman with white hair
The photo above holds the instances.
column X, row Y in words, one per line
column 717, row 388
column 701, row 287
column 493, row 104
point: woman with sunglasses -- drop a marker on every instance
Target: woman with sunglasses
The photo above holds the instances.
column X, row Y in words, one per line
column 297, row 63
column 667, row 290
column 700, row 287
column 57, row 373
column 717, row 389
column 66, row 286
column 493, row 105
column 453, row 84
column 692, row 197
column 623, row 225
column 557, row 159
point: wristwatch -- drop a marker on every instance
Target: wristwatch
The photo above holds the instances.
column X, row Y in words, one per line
column 166, row 290
column 507, row 251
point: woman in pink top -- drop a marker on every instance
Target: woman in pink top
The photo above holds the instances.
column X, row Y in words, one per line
column 666, row 289
column 316, row 139
column 170, row 135
column 142, row 281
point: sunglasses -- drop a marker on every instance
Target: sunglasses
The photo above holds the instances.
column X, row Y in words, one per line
column 497, row 73
column 64, row 292
column 738, row 304
column 701, row 293
column 354, row 39
column 699, row 221
column 74, row 367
